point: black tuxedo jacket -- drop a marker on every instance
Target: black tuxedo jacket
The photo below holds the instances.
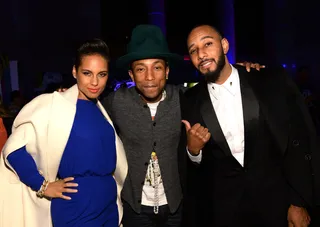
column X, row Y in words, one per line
column 278, row 149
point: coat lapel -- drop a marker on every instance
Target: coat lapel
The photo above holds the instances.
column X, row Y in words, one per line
column 60, row 123
column 211, row 121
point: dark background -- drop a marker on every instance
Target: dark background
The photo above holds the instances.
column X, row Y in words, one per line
column 42, row 35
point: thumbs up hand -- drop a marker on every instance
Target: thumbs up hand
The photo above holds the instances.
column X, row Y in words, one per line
column 197, row 137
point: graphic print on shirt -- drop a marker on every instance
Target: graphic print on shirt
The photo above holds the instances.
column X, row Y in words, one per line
column 153, row 176
column 153, row 193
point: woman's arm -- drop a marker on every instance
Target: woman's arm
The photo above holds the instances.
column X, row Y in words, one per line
column 26, row 168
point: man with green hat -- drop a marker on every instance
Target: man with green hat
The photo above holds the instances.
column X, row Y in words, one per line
column 148, row 120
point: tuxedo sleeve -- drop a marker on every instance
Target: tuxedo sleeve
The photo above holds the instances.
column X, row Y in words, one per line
column 295, row 199
column 301, row 163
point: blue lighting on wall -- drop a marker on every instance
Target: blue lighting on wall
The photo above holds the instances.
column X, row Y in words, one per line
column 156, row 14
column 228, row 27
column 289, row 66
column 127, row 84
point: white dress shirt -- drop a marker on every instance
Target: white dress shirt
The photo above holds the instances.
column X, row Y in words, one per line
column 227, row 103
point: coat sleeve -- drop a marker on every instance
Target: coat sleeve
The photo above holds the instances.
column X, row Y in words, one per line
column 25, row 126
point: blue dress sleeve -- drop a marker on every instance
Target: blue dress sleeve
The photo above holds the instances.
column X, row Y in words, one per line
column 26, row 168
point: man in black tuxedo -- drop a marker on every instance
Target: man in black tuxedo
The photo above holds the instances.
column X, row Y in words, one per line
column 256, row 168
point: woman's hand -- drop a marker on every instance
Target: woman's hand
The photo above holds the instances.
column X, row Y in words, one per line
column 57, row 188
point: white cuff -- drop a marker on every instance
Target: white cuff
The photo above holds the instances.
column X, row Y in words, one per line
column 193, row 158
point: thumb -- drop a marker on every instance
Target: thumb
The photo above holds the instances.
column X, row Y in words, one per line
column 187, row 124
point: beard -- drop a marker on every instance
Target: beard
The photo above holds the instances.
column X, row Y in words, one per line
column 213, row 76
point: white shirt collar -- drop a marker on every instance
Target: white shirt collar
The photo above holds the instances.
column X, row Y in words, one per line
column 232, row 84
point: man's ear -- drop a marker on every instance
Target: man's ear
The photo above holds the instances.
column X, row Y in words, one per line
column 225, row 45
column 131, row 74
column 167, row 72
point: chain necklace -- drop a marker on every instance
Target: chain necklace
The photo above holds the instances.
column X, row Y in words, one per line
column 155, row 177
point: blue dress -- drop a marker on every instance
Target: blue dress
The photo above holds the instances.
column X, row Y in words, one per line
column 89, row 157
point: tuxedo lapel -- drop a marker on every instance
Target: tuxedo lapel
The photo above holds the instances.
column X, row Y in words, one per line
column 272, row 102
column 211, row 121
column 250, row 107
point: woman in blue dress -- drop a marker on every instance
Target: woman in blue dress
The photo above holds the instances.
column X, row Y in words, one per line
column 85, row 191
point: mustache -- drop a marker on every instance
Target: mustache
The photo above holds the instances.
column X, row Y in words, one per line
column 204, row 60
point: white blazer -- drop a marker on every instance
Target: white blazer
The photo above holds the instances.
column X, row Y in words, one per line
column 43, row 126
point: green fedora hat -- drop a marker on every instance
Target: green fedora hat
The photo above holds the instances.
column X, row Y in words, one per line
column 147, row 41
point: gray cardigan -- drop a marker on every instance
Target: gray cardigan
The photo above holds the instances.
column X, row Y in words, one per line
column 140, row 136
